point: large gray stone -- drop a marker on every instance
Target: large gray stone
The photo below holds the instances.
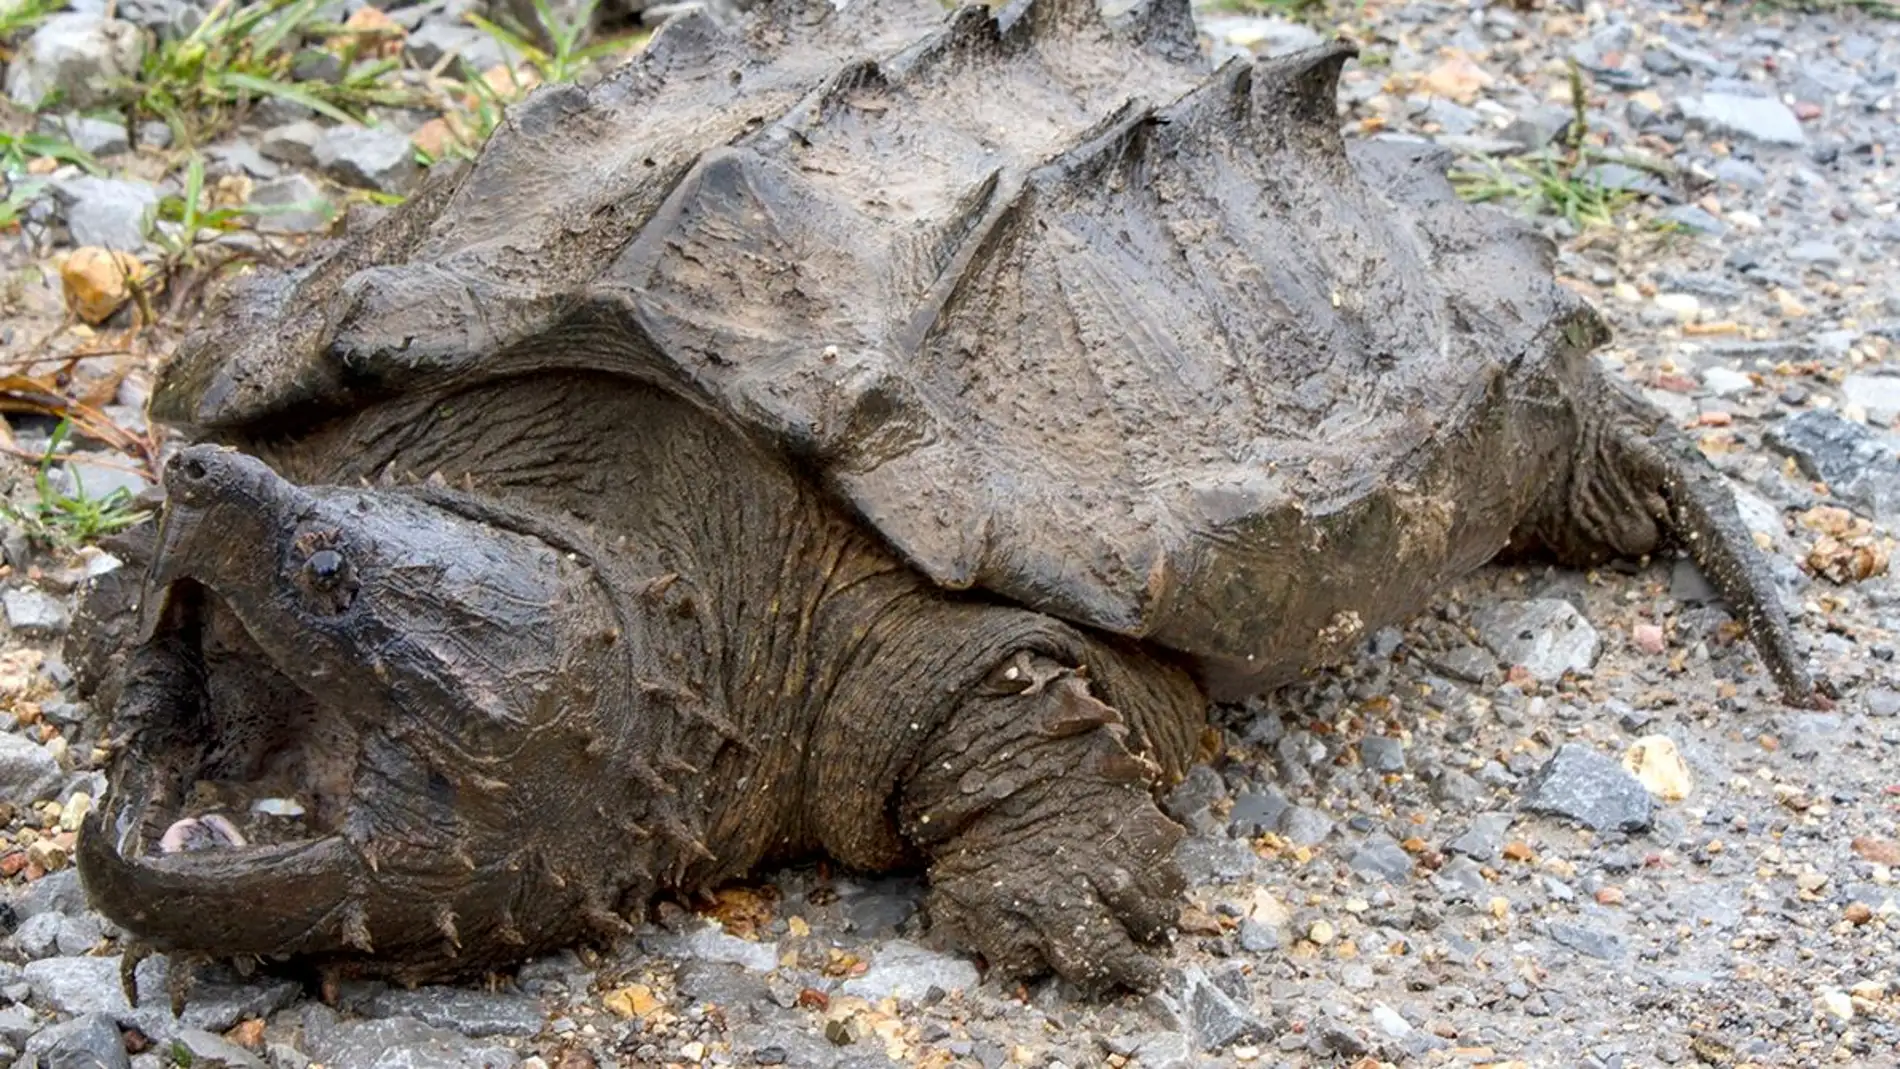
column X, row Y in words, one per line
column 91, row 985
column 293, row 204
column 294, row 143
column 32, row 611
column 89, row 1041
column 1763, row 119
column 108, row 212
column 206, row 1049
column 1545, row 635
column 1861, row 467
column 365, row 158
column 28, row 771
column 1877, row 395
column 905, row 970
column 470, row 1012
column 74, row 57
column 394, row 1043
column 710, row 942
column 1585, row 786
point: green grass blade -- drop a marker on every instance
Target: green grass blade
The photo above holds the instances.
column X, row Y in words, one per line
column 250, row 83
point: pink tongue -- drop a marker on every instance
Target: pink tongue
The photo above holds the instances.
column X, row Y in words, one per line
column 200, row 833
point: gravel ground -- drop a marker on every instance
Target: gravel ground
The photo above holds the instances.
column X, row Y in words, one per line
column 1558, row 821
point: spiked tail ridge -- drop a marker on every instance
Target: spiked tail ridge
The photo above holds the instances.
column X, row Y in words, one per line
column 1166, row 28
column 1296, row 98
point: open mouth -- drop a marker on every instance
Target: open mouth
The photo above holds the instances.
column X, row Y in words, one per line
column 224, row 753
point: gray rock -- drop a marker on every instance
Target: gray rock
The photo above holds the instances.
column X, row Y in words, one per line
column 1463, row 662
column 1196, row 792
column 294, row 143
column 905, row 970
column 101, row 137
column 98, row 475
column 1726, row 381
column 89, row 1041
column 1164, row 1050
column 1816, row 251
column 1585, row 786
column 18, row 1023
column 155, row 133
column 32, row 611
column 435, row 39
column 56, row 892
column 206, row 1049
column 471, row 1012
column 1878, row 395
column 1205, row 859
column 293, row 204
column 38, row 937
column 1257, row 937
column 729, row 987
column 169, row 20
column 1587, row 940
column 1257, row 812
column 1380, row 857
column 710, row 942
column 107, row 212
column 285, row 1056
column 237, row 157
column 91, row 985
column 1546, row 635
column 1460, row 879
column 1214, row 1018
column 75, row 56
column 28, row 771
column 394, row 1043
column 79, row 934
column 1858, row 465
column 1306, row 826
column 368, row 158
column 1763, row 119
column 1381, row 753
column 1484, row 838
column 1739, row 173
column 1691, row 218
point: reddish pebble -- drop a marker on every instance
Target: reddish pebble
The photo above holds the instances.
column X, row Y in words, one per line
column 1806, row 111
column 1648, row 638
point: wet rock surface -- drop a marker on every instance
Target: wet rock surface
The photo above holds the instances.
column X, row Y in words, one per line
column 1438, row 854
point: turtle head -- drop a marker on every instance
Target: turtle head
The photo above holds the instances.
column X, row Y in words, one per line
column 356, row 725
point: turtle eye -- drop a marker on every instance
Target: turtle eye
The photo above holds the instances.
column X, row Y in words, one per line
column 324, row 568
column 327, row 580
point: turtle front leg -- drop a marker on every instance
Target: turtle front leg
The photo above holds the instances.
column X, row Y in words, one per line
column 1636, row 484
column 1035, row 804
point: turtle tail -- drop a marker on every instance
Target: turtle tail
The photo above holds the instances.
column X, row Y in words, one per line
column 1636, row 485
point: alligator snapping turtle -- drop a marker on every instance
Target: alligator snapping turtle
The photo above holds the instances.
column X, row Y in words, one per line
column 877, row 432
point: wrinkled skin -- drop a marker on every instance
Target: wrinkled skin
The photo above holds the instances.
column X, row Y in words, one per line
column 509, row 732
column 765, row 453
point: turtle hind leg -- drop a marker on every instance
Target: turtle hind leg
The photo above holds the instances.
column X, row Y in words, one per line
column 1636, row 484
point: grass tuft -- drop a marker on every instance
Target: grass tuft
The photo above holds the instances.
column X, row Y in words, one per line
column 66, row 520
column 239, row 55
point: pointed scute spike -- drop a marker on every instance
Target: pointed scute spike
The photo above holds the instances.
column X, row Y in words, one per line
column 1044, row 19
column 1166, row 28
column 1301, row 91
column 686, row 41
column 1220, row 101
column 1111, row 143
